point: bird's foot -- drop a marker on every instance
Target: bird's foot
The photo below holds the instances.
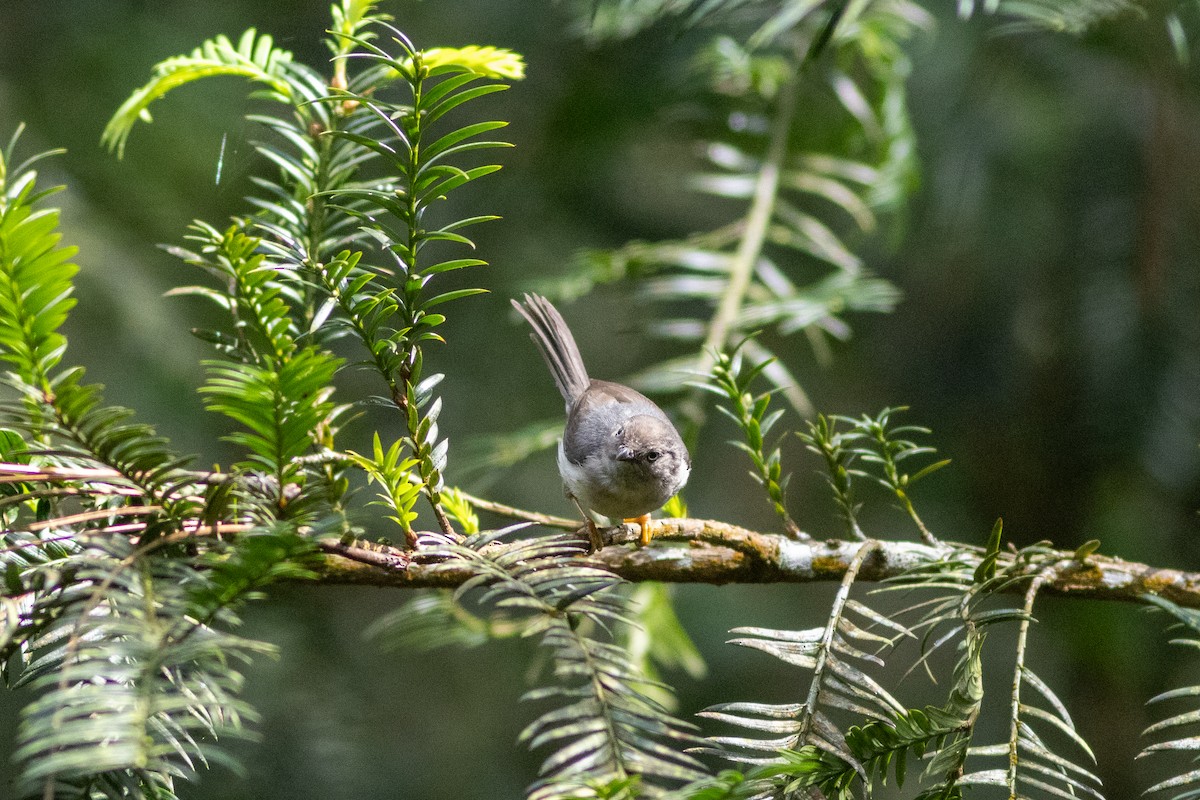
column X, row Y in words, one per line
column 645, row 526
column 595, row 539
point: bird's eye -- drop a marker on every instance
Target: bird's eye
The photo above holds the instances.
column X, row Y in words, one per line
column 653, row 455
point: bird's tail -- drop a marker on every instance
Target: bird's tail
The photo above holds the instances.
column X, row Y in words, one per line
column 554, row 339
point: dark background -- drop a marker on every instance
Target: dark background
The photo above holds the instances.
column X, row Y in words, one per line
column 1049, row 336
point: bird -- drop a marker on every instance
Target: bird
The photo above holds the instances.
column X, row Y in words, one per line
column 619, row 455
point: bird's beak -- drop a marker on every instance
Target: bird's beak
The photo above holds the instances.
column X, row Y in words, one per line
column 625, row 454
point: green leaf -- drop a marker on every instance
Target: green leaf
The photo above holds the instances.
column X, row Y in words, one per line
column 35, row 280
column 454, row 264
column 254, row 57
column 456, row 294
column 435, row 106
column 987, row 566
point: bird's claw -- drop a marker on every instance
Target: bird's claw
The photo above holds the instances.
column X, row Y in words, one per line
column 645, row 528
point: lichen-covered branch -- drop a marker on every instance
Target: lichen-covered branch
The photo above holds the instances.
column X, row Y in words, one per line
column 704, row 551
column 686, row 551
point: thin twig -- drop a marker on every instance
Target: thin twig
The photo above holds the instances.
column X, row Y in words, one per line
column 66, row 491
column 388, row 558
column 813, row 701
column 1018, row 675
column 19, row 546
column 512, row 512
column 88, row 516
column 758, row 221
column 16, row 473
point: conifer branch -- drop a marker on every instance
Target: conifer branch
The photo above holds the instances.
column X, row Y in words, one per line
column 707, row 551
column 754, row 237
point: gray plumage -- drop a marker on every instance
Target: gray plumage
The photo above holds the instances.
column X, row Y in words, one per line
column 619, row 456
column 553, row 338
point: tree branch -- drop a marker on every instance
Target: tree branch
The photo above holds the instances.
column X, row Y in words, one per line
column 703, row 551
column 699, row 551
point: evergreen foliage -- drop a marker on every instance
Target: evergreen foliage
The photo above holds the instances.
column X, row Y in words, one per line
column 125, row 569
column 731, row 381
column 1184, row 784
column 605, row 730
column 123, row 583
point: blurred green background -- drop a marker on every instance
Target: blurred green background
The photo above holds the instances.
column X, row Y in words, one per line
column 1049, row 335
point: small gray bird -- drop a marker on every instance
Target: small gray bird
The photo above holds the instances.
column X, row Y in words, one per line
column 619, row 455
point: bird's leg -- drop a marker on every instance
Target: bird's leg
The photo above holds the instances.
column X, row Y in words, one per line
column 594, row 538
column 644, row 524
